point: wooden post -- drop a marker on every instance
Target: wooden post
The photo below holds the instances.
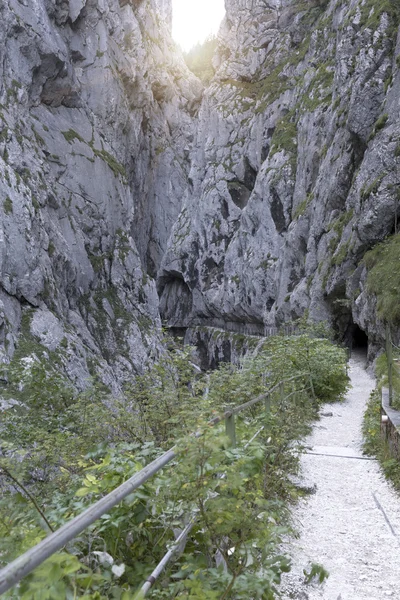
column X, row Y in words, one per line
column 282, row 392
column 267, row 404
column 312, row 389
column 389, row 356
column 230, row 427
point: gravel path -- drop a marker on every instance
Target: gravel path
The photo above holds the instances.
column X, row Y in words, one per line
column 351, row 525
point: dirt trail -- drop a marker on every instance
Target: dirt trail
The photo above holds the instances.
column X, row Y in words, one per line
column 351, row 525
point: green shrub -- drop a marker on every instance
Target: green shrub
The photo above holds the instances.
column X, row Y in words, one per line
column 8, row 206
column 375, row 444
column 383, row 264
column 285, row 136
column 71, row 135
column 230, row 491
column 380, row 124
column 382, row 375
column 373, row 188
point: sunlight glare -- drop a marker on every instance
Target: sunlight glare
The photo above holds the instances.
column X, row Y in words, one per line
column 194, row 20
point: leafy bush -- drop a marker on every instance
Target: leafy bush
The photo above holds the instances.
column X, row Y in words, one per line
column 238, row 497
column 383, row 264
column 374, row 442
column 381, row 370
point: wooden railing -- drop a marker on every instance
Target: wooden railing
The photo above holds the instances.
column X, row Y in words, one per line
column 27, row 562
column 393, row 369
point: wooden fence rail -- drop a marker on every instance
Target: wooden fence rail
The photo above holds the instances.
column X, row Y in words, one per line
column 30, row 560
column 389, row 356
column 393, row 364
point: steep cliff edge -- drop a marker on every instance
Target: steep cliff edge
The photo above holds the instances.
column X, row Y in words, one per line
column 96, row 123
column 295, row 169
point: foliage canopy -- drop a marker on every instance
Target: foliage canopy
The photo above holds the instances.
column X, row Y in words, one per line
column 383, row 264
column 69, row 450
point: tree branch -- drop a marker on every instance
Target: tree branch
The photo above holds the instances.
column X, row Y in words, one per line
column 31, row 498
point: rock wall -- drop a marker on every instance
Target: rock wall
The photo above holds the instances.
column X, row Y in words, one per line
column 213, row 345
column 295, row 167
column 96, row 125
column 274, row 181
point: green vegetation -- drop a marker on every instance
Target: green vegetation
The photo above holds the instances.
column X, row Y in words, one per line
column 338, row 251
column 269, row 89
column 302, row 207
column 199, row 59
column 388, row 83
column 56, row 455
column 383, row 377
column 12, row 91
column 72, row 135
column 112, row 325
column 51, row 249
column 98, row 261
column 372, row 11
column 7, row 177
column 374, row 442
column 123, row 245
column 285, row 136
column 300, row 210
column 39, row 140
column 320, row 89
column 285, row 75
column 373, row 188
column 340, row 223
column 3, row 138
column 380, row 124
column 8, row 206
column 383, row 264
column 112, row 162
column 115, row 166
column 339, row 257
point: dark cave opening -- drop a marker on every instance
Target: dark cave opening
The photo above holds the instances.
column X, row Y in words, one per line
column 396, row 225
column 359, row 339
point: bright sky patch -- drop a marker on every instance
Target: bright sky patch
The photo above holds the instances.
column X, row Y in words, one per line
column 194, row 20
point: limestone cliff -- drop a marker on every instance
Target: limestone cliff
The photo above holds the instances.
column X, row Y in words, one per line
column 96, row 124
column 295, row 168
column 275, row 181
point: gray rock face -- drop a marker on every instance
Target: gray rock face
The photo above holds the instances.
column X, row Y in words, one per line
column 295, row 168
column 251, row 203
column 96, row 123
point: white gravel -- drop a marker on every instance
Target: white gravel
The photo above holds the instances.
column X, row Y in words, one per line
column 351, row 525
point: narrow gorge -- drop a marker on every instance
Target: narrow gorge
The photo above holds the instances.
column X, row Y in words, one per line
column 132, row 195
column 157, row 231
